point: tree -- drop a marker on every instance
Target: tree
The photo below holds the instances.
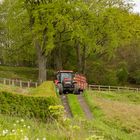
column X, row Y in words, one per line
column 48, row 20
column 16, row 40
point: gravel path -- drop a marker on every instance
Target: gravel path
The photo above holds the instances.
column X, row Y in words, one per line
column 85, row 107
column 66, row 106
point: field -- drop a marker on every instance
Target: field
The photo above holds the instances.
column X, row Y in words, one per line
column 116, row 115
column 22, row 73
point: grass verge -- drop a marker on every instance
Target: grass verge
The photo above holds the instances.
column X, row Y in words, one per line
column 75, row 106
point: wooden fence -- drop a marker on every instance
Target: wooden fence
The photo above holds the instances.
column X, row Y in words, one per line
column 20, row 83
column 112, row 88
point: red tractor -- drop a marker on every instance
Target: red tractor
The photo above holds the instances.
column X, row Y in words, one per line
column 68, row 82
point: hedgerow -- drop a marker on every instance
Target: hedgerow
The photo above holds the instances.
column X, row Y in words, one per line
column 27, row 106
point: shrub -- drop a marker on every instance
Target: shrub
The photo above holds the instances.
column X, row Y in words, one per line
column 27, row 106
column 134, row 77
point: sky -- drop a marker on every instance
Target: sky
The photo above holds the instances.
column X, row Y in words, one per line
column 136, row 7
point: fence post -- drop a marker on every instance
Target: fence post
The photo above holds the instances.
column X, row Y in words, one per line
column 99, row 88
column 4, row 81
column 20, row 82
column 36, row 84
column 13, row 83
column 118, row 89
column 137, row 90
column 9, row 81
column 28, row 84
column 109, row 88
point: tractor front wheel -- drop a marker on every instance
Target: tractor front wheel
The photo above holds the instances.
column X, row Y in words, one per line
column 60, row 88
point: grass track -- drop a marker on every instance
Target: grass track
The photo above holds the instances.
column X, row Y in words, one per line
column 75, row 106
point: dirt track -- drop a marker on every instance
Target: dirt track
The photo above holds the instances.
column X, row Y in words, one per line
column 85, row 107
column 66, row 105
column 82, row 103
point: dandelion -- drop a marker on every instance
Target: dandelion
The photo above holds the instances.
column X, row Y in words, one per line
column 17, row 121
column 26, row 138
column 44, row 138
column 37, row 138
column 22, row 120
column 13, row 131
column 21, row 131
column 4, row 132
column 14, row 124
column 28, row 127
column 24, row 125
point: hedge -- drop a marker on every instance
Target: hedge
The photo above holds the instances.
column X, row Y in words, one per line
column 26, row 106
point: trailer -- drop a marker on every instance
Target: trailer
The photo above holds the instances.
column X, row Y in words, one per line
column 69, row 82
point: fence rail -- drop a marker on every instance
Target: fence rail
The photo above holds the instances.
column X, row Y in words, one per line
column 20, row 83
column 113, row 88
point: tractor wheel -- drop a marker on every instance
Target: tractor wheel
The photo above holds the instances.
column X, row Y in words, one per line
column 76, row 89
column 60, row 88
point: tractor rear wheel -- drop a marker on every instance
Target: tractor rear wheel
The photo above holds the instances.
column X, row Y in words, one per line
column 76, row 89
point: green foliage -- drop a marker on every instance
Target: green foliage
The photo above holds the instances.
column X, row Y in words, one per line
column 26, row 106
column 99, row 73
column 57, row 112
column 135, row 77
column 122, row 74
column 98, row 27
column 16, row 40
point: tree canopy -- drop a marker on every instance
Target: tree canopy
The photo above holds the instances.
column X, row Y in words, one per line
column 82, row 35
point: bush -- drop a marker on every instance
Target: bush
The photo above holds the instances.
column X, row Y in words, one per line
column 27, row 106
column 134, row 77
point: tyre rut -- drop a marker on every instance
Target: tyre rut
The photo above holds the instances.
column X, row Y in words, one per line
column 66, row 105
column 85, row 107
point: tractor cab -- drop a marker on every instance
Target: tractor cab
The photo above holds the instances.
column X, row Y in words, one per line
column 63, row 76
column 68, row 82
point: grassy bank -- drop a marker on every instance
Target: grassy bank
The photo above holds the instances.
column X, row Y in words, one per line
column 117, row 115
column 22, row 73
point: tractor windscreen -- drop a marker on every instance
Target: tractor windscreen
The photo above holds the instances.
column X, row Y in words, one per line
column 66, row 75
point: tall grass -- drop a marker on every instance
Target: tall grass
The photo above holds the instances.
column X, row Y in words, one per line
column 20, row 129
column 117, row 119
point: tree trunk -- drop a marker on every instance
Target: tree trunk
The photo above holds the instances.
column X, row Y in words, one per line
column 42, row 60
column 84, row 61
column 79, row 60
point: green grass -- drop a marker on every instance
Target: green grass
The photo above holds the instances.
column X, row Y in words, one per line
column 66, row 129
column 22, row 73
column 15, row 89
column 75, row 106
column 117, row 116
column 46, row 89
column 128, row 97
